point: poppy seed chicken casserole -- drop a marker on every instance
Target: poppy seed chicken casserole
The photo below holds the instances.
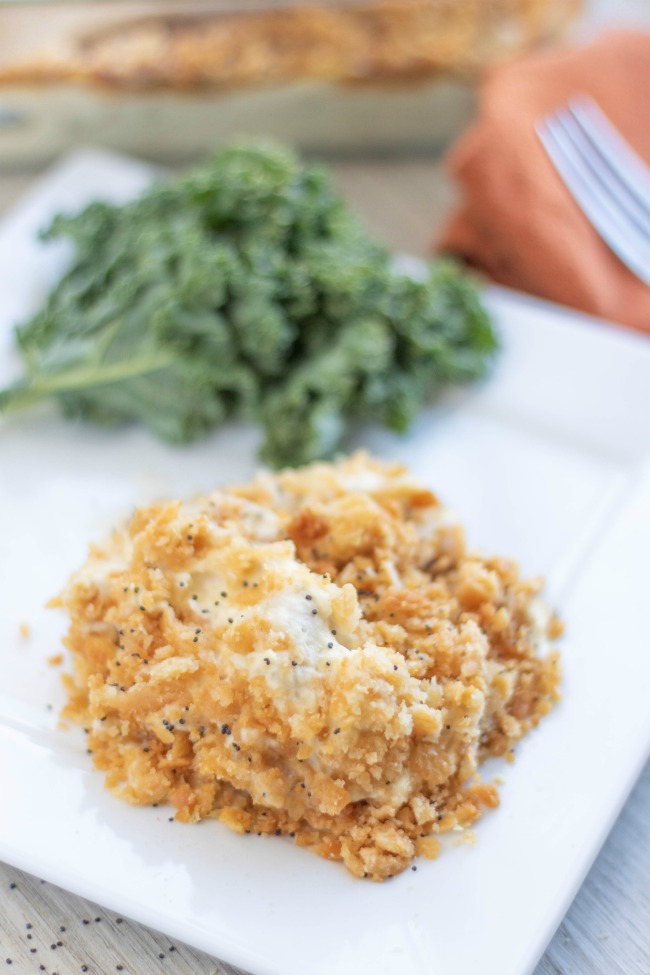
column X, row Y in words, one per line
column 316, row 654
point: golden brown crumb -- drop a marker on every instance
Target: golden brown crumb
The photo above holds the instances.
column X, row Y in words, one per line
column 55, row 660
column 315, row 653
column 466, row 837
column 25, row 631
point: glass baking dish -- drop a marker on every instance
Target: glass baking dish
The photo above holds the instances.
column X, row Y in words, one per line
column 170, row 80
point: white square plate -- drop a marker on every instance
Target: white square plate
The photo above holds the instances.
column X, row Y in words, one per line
column 546, row 461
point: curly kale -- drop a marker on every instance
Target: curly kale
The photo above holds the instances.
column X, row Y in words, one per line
column 245, row 288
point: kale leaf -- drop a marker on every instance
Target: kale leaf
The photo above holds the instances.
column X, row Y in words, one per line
column 245, row 288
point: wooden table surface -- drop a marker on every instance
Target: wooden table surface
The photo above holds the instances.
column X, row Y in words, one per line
column 607, row 929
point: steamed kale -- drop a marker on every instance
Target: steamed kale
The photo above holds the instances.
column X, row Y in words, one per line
column 245, row 288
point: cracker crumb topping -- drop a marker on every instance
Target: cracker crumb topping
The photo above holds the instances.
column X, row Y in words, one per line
column 315, row 654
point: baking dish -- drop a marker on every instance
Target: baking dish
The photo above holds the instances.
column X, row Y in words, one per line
column 169, row 79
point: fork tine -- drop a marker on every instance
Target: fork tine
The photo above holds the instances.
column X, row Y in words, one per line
column 603, row 174
column 613, row 149
column 617, row 232
column 604, row 206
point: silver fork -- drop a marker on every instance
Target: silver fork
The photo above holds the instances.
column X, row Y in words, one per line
column 606, row 178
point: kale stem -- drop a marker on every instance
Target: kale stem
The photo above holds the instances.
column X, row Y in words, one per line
column 22, row 395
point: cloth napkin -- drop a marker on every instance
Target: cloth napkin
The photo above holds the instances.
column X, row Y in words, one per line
column 517, row 221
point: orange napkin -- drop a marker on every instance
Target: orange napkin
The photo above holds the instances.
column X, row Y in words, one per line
column 518, row 222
